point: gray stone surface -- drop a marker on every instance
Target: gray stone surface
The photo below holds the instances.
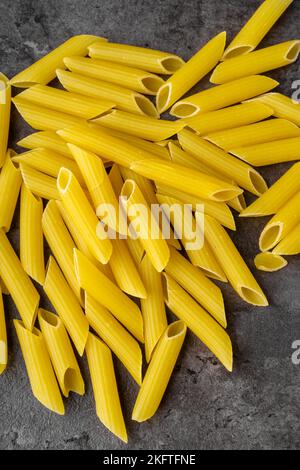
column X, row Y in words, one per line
column 257, row 406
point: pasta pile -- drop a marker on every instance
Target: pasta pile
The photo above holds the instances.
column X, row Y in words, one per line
column 101, row 149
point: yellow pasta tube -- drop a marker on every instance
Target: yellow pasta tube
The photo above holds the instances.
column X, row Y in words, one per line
column 95, row 283
column 238, row 203
column 153, row 307
column 5, row 103
column 105, row 388
column 256, row 28
column 3, row 337
column 117, row 338
column 39, row 369
column 10, row 184
column 66, row 304
column 79, row 208
column 45, row 139
column 139, row 57
column 38, row 183
column 290, row 245
column 235, row 268
column 43, row 71
column 269, row 262
column 283, row 106
column 125, row 99
column 61, row 353
column 224, row 95
column 159, row 372
column 18, row 283
column 191, row 72
column 31, row 235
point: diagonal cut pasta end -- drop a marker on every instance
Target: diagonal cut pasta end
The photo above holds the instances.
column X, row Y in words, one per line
column 269, row 262
column 270, row 236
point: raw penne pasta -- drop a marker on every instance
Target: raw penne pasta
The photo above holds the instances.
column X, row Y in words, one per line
column 197, row 285
column 46, row 139
column 10, row 185
column 61, row 353
column 235, row 268
column 95, row 283
column 277, row 195
column 125, row 99
column 224, row 95
column 105, row 388
column 269, row 262
column 226, row 164
column 283, row 106
column 153, row 306
column 198, row 321
column 278, row 151
column 66, row 304
column 148, row 231
column 159, row 372
column 140, row 57
column 238, row 203
column 145, row 127
column 128, row 77
column 191, row 72
column 259, row 133
column 39, row 369
column 18, row 283
column 31, row 235
column 117, row 338
column 79, row 208
column 256, row 28
column 3, row 287
column 136, row 250
column 38, row 183
column 5, row 103
column 116, row 179
column 43, row 71
column 290, row 245
column 3, row 337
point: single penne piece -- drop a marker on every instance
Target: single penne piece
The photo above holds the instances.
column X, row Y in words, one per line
column 139, row 57
column 31, row 235
column 281, row 224
column 153, row 306
column 269, row 262
column 197, row 285
column 43, row 71
column 66, row 304
column 259, row 133
column 198, row 321
column 38, row 183
column 5, row 104
column 10, row 185
column 290, row 245
column 18, row 283
column 117, row 338
column 235, row 268
column 61, row 353
column 222, row 96
column 125, row 99
column 191, row 73
column 222, row 162
column 278, row 151
column 79, row 208
column 39, row 369
column 283, row 106
column 95, row 283
column 256, row 27
column 104, row 385
column 46, row 139
column 3, row 337
column 276, row 196
column 159, row 372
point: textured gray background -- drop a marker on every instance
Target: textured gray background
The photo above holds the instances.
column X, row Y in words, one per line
column 255, row 407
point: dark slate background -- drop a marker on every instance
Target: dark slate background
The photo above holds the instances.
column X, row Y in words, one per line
column 255, row 407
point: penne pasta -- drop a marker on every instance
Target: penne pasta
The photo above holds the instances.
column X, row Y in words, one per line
column 139, row 57
column 117, row 338
column 18, row 283
column 256, row 28
column 3, row 337
column 43, row 71
column 238, row 203
column 289, row 245
column 105, row 388
column 283, row 106
column 269, row 262
column 125, row 99
column 39, row 369
column 159, row 372
column 31, row 235
column 10, row 185
column 223, row 95
column 38, row 183
column 5, row 104
column 61, row 353
column 235, row 268
column 95, row 283
column 191, row 72
column 3, row 287
column 46, row 139
column 116, row 179
column 198, row 321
